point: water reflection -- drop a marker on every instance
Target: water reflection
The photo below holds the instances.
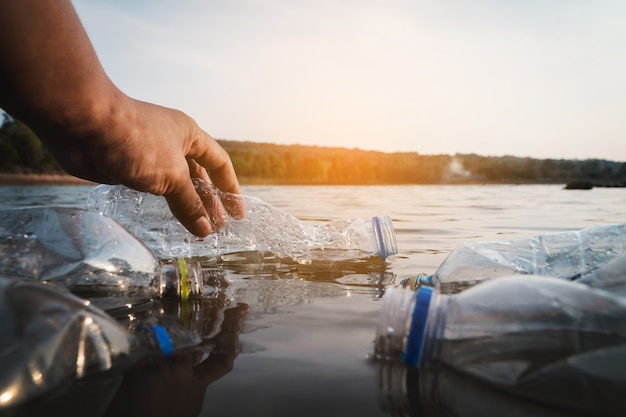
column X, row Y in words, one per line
column 335, row 277
column 154, row 385
column 176, row 386
column 239, row 289
column 405, row 391
column 269, row 284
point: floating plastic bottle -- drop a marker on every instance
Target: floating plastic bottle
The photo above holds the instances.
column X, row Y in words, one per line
column 254, row 226
column 568, row 255
column 543, row 338
column 90, row 254
column 49, row 336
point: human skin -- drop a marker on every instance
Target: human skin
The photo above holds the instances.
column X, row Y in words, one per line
column 52, row 80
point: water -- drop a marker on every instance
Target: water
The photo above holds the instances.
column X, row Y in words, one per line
column 305, row 333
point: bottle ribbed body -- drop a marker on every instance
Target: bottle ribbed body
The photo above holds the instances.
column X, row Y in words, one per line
column 257, row 226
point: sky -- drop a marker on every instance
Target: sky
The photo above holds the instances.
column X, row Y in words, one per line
column 529, row 78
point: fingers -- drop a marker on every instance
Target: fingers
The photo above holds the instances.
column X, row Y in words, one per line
column 197, row 171
column 210, row 155
column 210, row 197
column 187, row 207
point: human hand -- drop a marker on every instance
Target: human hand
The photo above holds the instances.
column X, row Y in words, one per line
column 152, row 149
column 51, row 79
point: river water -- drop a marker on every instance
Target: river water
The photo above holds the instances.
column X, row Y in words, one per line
column 297, row 340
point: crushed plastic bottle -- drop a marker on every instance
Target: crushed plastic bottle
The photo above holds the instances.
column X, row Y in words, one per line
column 261, row 227
column 49, row 336
column 90, row 254
column 567, row 255
column 542, row 338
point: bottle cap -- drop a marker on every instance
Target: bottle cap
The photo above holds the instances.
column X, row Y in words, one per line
column 415, row 338
column 385, row 236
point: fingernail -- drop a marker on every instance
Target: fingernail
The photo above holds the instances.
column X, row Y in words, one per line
column 202, row 227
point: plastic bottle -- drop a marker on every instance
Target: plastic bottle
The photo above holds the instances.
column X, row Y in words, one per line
column 90, row 254
column 568, row 255
column 49, row 336
column 543, row 338
column 261, row 227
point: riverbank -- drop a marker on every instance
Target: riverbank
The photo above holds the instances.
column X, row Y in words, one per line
column 66, row 179
column 41, row 179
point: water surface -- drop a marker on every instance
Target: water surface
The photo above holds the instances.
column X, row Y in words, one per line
column 303, row 334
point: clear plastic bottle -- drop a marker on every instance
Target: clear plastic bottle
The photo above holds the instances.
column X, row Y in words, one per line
column 49, row 336
column 90, row 254
column 568, row 255
column 261, row 227
column 542, row 338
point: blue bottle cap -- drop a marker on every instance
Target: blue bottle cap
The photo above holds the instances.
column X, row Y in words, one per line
column 415, row 338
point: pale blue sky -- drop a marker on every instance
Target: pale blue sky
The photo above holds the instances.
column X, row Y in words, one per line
column 539, row 78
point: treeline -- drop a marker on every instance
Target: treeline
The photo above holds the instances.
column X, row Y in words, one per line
column 296, row 164
column 22, row 152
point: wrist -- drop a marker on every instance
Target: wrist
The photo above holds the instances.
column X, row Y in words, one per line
column 80, row 120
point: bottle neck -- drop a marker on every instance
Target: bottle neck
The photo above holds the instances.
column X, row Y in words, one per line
column 181, row 279
column 395, row 314
column 384, row 237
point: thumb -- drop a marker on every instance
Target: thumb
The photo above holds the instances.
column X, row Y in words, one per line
column 187, row 207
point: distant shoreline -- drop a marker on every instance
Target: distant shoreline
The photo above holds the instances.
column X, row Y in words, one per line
column 7, row 179
column 42, row 179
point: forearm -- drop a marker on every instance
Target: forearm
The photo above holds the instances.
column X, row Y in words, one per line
column 50, row 76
